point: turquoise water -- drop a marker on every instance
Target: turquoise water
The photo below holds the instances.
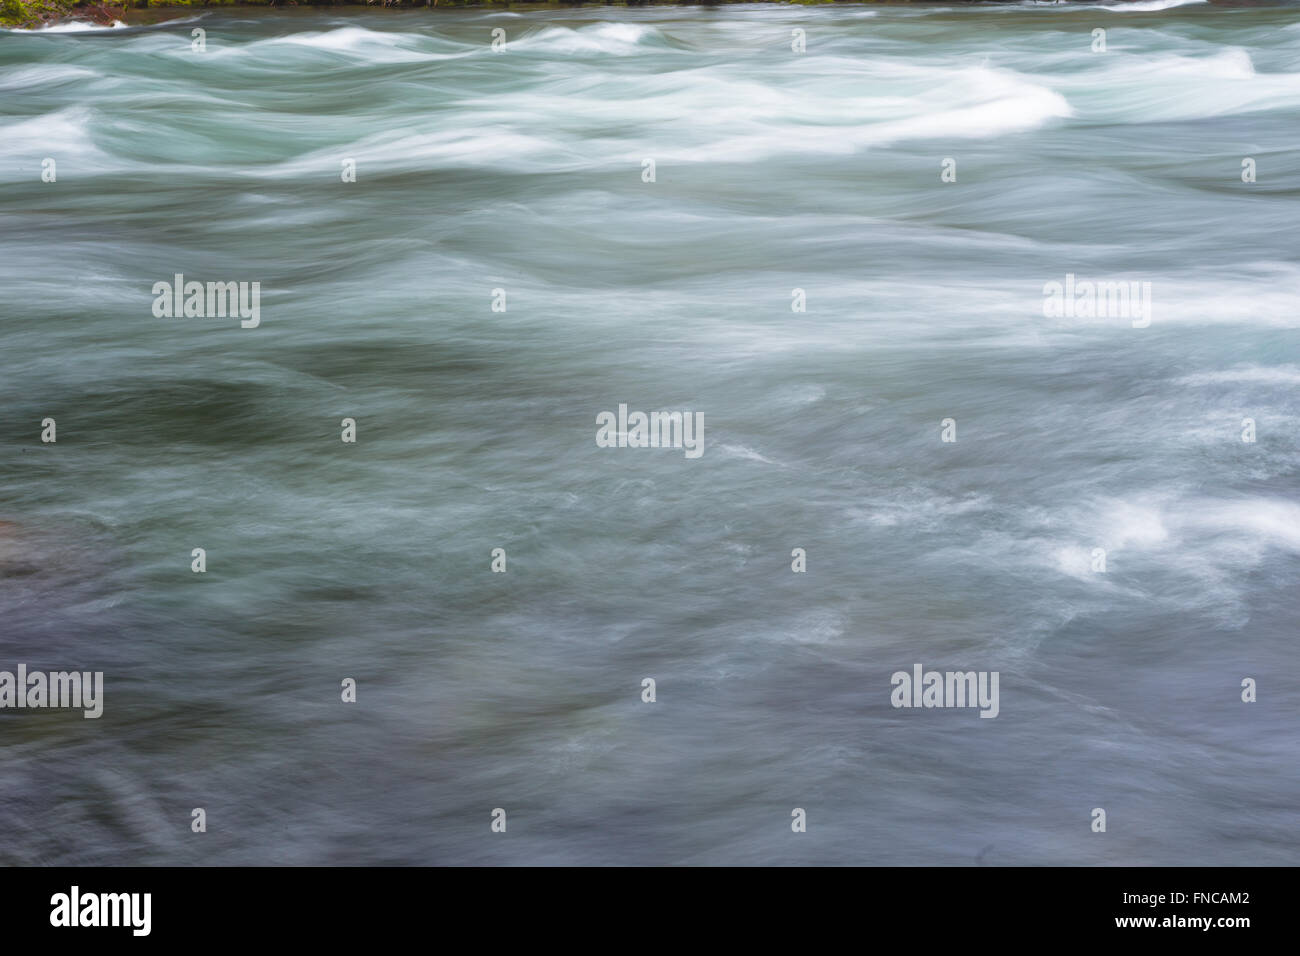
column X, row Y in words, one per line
column 523, row 170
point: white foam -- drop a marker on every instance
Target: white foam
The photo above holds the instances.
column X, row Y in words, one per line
column 62, row 133
column 46, row 75
column 743, row 451
column 1248, row 374
column 612, row 38
column 1147, row 6
column 72, row 26
column 1133, row 525
column 922, row 510
column 1147, row 87
column 1167, row 547
column 1261, row 522
column 375, row 45
column 1076, row 561
column 718, row 117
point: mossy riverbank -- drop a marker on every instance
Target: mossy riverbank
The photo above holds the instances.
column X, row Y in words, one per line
column 35, row 13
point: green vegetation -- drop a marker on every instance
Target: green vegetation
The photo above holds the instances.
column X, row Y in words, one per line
column 32, row 13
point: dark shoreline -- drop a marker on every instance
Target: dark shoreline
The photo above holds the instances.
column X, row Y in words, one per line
column 32, row 13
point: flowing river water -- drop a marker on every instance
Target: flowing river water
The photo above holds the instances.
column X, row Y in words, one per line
column 507, row 266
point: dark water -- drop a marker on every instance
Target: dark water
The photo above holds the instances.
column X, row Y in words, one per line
column 522, row 170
